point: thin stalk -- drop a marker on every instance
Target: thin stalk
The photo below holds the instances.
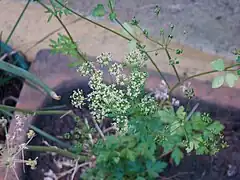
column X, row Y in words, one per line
column 18, row 20
column 56, row 150
column 35, row 112
column 89, row 20
column 174, row 68
column 42, row 133
column 50, row 137
column 201, row 74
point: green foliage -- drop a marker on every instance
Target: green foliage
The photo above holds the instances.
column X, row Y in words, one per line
column 64, row 45
column 99, row 11
column 217, row 81
column 135, row 154
column 218, row 65
column 177, row 155
column 57, row 10
column 238, row 59
column 229, row 78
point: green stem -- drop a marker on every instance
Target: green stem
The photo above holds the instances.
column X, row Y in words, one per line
column 58, row 151
column 18, row 20
column 35, row 112
column 201, row 74
column 5, row 66
column 89, row 20
column 174, row 68
column 50, row 137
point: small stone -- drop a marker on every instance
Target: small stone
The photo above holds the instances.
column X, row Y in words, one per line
column 232, row 170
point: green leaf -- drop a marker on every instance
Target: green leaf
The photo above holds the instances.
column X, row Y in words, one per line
column 112, row 16
column 177, row 155
column 231, row 79
column 218, row 65
column 98, row 11
column 238, row 72
column 215, row 127
column 217, row 81
column 140, row 178
column 128, row 154
column 238, row 59
column 181, row 114
column 154, row 169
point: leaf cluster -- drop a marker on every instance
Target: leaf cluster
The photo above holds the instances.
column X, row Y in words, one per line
column 139, row 154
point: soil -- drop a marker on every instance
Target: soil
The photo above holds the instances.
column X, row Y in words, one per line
column 224, row 166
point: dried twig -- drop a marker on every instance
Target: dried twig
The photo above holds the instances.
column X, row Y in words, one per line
column 98, row 129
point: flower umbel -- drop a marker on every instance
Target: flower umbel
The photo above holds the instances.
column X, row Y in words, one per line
column 77, row 98
column 104, row 58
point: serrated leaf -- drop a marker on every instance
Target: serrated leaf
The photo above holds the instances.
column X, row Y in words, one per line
column 98, row 11
column 218, row 65
column 177, row 155
column 181, row 114
column 217, row 81
column 128, row 154
column 231, row 79
column 216, row 127
column 154, row 169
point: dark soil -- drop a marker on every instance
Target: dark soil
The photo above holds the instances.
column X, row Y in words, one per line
column 192, row 168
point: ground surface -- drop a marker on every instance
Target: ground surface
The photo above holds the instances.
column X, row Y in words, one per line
column 192, row 168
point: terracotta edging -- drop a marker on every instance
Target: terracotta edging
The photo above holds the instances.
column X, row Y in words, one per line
column 54, row 71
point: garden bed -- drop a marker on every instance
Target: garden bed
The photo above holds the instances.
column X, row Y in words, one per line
column 222, row 166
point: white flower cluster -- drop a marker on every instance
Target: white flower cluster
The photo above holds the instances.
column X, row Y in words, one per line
column 104, row 58
column 77, row 98
column 136, row 83
column 106, row 100
column 121, row 124
column 136, row 58
column 148, row 105
column 96, row 80
column 86, row 68
column 117, row 71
